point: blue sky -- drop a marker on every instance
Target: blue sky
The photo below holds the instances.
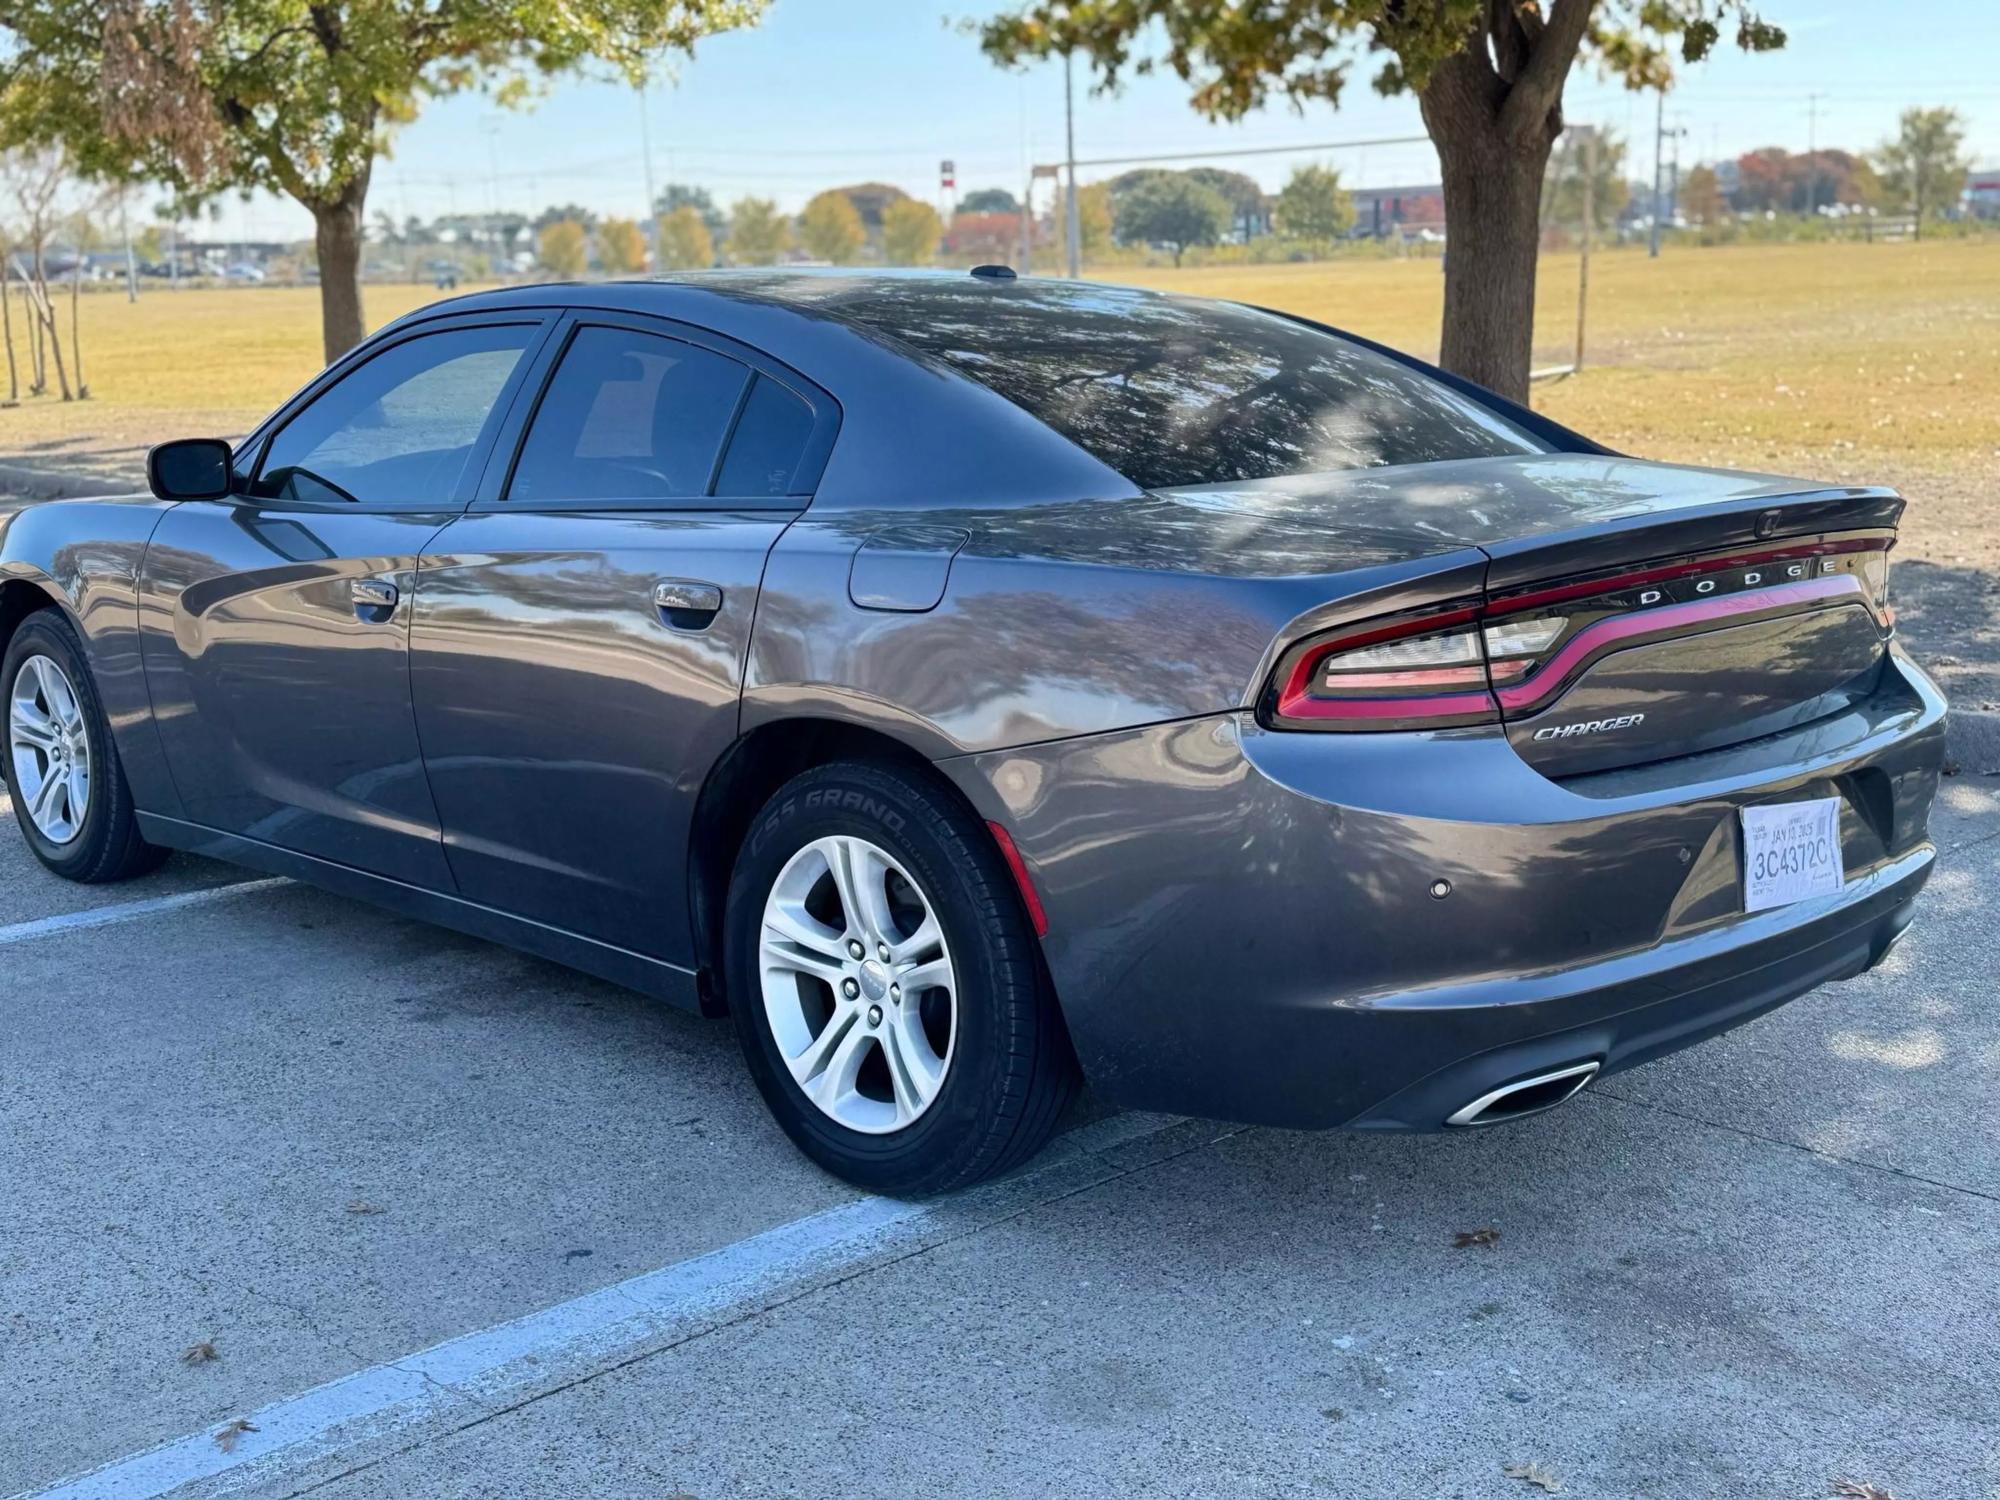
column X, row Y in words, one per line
column 835, row 91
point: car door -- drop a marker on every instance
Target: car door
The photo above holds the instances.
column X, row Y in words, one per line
column 579, row 639
column 275, row 623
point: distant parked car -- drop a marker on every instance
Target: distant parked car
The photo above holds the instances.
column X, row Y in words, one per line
column 958, row 679
column 243, row 271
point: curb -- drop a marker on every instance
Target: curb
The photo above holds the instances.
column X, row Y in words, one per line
column 19, row 482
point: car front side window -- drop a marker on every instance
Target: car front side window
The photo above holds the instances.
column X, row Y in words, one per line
column 399, row 428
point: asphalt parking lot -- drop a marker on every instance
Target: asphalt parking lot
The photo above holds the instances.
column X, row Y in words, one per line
column 303, row 1198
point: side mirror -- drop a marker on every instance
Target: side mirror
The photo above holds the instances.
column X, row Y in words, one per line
column 189, row 469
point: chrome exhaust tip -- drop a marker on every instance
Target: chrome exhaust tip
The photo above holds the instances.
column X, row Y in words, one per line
column 1525, row 1096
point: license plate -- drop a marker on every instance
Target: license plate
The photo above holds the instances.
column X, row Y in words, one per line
column 1791, row 850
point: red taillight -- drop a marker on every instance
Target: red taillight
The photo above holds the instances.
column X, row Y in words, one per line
column 1477, row 663
column 1019, row 868
column 1427, row 670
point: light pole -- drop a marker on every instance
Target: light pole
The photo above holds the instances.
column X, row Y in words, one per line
column 1075, row 227
column 646, row 158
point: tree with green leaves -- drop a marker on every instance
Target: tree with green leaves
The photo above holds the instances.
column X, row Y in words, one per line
column 1488, row 76
column 685, row 243
column 563, row 248
column 989, row 201
column 1172, row 209
column 678, row 194
column 758, row 233
column 1923, row 168
column 1562, row 189
column 1312, row 206
column 621, row 247
column 911, row 230
column 298, row 96
column 831, row 228
column 1093, row 218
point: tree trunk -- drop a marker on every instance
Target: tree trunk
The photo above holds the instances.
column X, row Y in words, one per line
column 337, row 225
column 7, row 321
column 1492, row 215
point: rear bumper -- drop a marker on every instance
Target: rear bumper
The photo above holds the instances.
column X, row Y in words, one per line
column 1242, row 923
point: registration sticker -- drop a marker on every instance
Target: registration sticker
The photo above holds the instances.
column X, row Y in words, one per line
column 1791, row 850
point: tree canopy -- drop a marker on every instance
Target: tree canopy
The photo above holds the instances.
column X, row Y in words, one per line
column 297, row 96
column 1488, row 76
column 989, row 201
column 685, row 243
column 1313, row 207
column 1924, row 166
column 621, row 247
column 831, row 228
column 910, row 232
column 758, row 233
column 1172, row 209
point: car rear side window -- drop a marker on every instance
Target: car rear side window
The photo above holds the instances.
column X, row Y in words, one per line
column 1173, row 392
column 629, row 416
column 400, row 427
column 769, row 441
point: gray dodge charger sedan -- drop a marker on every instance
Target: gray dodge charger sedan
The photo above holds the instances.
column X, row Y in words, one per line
column 973, row 685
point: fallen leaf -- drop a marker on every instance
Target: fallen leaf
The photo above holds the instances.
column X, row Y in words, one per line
column 232, row 1433
column 199, row 1354
column 1850, row 1489
column 1466, row 1238
column 363, row 1206
column 1532, row 1473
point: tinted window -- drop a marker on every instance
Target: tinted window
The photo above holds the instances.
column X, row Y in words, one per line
column 629, row 416
column 1173, row 392
column 769, row 441
column 401, row 426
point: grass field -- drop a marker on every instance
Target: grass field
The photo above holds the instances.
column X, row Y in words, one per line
column 1835, row 360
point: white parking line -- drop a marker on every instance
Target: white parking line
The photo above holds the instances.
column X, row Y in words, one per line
column 132, row 911
column 337, row 1427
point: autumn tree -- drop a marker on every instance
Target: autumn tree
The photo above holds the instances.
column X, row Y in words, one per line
column 1488, row 76
column 676, row 194
column 1093, row 218
column 910, row 232
column 1172, row 209
column 685, row 243
column 298, row 96
column 1701, row 197
column 563, row 248
column 1312, row 206
column 1924, row 167
column 758, row 233
column 831, row 228
column 621, row 247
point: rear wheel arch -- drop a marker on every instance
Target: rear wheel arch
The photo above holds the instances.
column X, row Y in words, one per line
column 738, row 786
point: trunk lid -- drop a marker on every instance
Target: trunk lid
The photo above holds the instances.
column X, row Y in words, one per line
column 1635, row 611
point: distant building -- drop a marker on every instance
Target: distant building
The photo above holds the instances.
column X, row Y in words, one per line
column 1982, row 192
column 1384, row 211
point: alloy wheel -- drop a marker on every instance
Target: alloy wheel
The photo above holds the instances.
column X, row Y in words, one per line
column 858, row 985
column 50, row 748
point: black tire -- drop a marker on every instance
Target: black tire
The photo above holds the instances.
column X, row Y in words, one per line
column 107, row 846
column 1010, row 1071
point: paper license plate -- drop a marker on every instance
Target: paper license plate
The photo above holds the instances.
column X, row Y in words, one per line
column 1791, row 850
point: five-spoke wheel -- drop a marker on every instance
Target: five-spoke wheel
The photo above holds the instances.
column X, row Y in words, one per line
column 50, row 749
column 857, row 985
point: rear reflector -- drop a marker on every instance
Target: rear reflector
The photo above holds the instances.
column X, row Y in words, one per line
column 1019, row 866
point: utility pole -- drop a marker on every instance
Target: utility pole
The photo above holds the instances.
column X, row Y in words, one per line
column 1589, row 133
column 1075, row 227
column 131, row 270
column 1659, row 144
column 1812, row 154
column 1028, row 225
column 646, row 158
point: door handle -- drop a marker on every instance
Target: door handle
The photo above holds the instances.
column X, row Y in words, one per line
column 374, row 599
column 687, row 603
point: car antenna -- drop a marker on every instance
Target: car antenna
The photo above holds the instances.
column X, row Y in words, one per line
column 995, row 273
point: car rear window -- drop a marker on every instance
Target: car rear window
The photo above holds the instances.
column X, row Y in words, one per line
column 1172, row 392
